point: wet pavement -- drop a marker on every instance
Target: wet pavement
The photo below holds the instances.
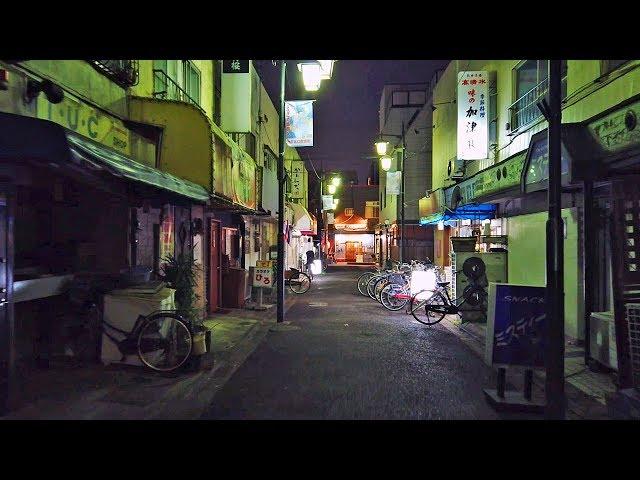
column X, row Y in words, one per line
column 346, row 357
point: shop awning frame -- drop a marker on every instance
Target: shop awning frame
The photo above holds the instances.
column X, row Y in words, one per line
column 479, row 211
column 36, row 140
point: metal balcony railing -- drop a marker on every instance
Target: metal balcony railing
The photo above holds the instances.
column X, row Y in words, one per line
column 122, row 72
column 524, row 110
column 164, row 87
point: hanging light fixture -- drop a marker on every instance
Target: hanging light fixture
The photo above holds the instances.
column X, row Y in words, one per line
column 311, row 74
column 331, row 188
column 336, row 181
column 326, row 68
column 382, row 147
column 385, row 163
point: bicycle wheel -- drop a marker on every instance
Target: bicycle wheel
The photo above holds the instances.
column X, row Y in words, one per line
column 362, row 282
column 389, row 299
column 377, row 287
column 301, row 284
column 164, row 342
column 421, row 308
column 371, row 285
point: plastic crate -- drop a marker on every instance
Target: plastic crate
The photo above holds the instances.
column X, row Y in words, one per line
column 633, row 321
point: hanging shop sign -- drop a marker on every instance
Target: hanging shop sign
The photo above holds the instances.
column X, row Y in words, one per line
column 327, row 202
column 515, row 325
column 297, row 179
column 299, row 123
column 235, row 96
column 473, row 115
column 87, row 121
column 393, row 182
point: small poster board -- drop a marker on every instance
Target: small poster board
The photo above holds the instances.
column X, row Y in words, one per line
column 515, row 326
column 263, row 277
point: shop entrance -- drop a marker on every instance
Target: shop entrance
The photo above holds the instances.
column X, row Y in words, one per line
column 214, row 265
column 352, row 249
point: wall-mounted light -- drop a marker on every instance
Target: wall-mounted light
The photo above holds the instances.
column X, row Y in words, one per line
column 335, row 181
column 53, row 92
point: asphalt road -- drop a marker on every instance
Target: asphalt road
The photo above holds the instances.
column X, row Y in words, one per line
column 350, row 358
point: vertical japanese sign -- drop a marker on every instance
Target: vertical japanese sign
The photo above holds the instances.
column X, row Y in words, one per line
column 299, row 123
column 235, row 86
column 515, row 325
column 297, row 179
column 393, row 183
column 473, row 102
column 327, row 202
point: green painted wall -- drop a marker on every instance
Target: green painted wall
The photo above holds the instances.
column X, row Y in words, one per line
column 527, row 261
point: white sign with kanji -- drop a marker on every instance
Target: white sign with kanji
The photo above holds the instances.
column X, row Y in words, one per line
column 473, row 115
column 263, row 278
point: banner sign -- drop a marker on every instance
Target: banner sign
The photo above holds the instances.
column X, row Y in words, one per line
column 235, row 98
column 299, row 123
column 327, row 202
column 297, row 179
column 473, row 115
column 515, row 325
column 393, row 183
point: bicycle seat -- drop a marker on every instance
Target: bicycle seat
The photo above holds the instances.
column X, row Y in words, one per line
column 443, row 284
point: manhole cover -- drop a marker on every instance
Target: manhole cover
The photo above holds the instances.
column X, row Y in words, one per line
column 318, row 304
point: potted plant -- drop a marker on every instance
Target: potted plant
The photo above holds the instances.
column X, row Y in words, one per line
column 180, row 272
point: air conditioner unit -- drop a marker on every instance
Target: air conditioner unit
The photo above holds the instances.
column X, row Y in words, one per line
column 455, row 169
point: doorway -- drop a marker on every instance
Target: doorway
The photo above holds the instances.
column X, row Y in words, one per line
column 214, row 265
column 352, row 249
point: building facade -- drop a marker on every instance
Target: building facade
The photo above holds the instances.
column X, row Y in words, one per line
column 512, row 180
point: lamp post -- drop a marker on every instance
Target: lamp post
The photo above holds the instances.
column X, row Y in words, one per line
column 385, row 163
column 313, row 72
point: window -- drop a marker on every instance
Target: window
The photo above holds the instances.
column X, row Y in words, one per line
column 192, row 80
column 270, row 160
column 608, row 66
column 531, row 82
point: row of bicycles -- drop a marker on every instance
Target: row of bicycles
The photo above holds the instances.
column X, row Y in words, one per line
column 429, row 301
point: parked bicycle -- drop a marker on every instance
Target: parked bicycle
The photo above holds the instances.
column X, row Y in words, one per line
column 297, row 281
column 430, row 307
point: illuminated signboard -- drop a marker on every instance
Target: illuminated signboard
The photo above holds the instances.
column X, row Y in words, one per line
column 473, row 103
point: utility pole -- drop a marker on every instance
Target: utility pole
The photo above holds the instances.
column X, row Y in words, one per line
column 404, row 147
column 554, row 351
column 281, row 206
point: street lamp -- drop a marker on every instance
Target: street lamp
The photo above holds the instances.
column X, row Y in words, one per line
column 331, row 188
column 336, row 181
column 385, row 163
column 313, row 72
column 381, row 147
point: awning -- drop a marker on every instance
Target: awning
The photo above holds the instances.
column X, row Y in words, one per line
column 480, row 211
column 33, row 139
column 302, row 219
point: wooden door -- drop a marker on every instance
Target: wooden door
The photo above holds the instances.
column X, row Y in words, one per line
column 214, row 266
column 350, row 251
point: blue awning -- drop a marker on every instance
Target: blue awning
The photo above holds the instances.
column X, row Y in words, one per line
column 479, row 211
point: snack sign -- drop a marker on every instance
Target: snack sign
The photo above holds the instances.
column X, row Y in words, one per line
column 263, row 277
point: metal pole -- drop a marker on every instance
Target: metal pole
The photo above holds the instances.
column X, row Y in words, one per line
column 280, row 267
column 404, row 147
column 321, row 216
column 554, row 354
column 588, row 258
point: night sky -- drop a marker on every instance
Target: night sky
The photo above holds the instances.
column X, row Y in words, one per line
column 346, row 110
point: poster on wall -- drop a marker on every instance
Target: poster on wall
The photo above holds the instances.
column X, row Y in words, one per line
column 327, row 202
column 393, row 183
column 299, row 123
column 473, row 102
column 515, row 325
